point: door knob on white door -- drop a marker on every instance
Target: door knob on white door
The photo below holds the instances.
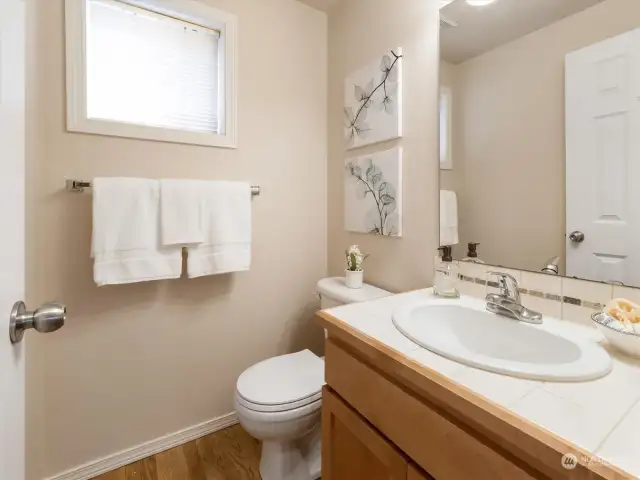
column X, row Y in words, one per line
column 577, row 237
column 48, row 318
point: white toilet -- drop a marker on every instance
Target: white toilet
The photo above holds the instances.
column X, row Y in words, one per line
column 278, row 400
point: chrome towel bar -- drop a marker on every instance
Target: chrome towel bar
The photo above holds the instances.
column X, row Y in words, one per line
column 78, row 186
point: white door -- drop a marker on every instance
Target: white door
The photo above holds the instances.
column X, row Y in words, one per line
column 12, row 142
column 603, row 160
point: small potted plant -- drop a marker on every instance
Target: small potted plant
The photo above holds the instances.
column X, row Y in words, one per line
column 354, row 274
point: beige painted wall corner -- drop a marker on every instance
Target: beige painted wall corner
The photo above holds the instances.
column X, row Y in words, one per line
column 360, row 31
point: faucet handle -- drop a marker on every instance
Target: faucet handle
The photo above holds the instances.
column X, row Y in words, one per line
column 508, row 285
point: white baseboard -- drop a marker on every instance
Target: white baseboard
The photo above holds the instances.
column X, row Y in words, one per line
column 125, row 457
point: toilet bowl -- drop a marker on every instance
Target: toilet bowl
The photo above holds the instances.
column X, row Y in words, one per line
column 279, row 400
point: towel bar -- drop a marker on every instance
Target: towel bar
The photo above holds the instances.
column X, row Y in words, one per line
column 78, row 186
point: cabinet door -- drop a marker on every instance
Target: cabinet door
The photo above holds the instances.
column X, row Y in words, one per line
column 352, row 448
column 416, row 474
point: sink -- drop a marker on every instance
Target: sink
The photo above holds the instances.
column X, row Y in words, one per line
column 475, row 337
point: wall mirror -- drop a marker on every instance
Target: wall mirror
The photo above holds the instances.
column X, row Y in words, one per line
column 540, row 135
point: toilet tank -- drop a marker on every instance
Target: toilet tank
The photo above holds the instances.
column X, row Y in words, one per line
column 333, row 293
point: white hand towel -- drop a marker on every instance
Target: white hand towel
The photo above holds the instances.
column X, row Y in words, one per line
column 126, row 243
column 448, row 218
column 226, row 223
column 180, row 212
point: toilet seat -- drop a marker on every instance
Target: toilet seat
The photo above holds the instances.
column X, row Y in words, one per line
column 284, row 407
column 282, row 383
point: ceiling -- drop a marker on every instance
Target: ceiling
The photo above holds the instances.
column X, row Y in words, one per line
column 324, row 5
column 482, row 29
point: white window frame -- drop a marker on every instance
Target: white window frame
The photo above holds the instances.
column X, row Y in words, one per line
column 186, row 10
column 446, row 97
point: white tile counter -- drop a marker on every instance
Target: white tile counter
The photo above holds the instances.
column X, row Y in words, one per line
column 601, row 416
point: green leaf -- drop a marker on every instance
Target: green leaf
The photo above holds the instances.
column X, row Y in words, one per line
column 354, row 262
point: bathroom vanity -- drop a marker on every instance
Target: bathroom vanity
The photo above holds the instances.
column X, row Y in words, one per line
column 393, row 410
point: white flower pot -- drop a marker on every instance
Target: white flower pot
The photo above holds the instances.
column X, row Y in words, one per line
column 353, row 279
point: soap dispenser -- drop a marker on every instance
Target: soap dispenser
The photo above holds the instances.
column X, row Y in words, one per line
column 445, row 281
column 472, row 254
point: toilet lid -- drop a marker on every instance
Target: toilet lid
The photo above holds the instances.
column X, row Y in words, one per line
column 335, row 288
column 283, row 380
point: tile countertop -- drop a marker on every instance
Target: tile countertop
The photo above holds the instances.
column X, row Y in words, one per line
column 600, row 416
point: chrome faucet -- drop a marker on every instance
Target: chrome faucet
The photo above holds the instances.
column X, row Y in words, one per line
column 508, row 303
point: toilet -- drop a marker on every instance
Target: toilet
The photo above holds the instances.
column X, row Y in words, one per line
column 278, row 401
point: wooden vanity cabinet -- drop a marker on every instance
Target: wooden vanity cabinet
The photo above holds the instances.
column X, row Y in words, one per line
column 353, row 449
column 415, row 474
column 386, row 417
column 359, row 404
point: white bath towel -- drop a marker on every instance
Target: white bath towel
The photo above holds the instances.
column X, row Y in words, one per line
column 226, row 223
column 448, row 218
column 180, row 203
column 126, row 245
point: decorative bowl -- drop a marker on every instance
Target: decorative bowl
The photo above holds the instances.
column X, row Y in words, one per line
column 623, row 340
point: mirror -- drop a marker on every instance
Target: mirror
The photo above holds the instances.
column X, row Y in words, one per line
column 540, row 135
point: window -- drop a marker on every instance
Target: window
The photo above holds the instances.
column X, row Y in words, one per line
column 446, row 125
column 143, row 70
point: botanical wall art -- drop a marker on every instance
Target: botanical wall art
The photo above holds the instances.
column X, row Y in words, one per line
column 373, row 193
column 373, row 102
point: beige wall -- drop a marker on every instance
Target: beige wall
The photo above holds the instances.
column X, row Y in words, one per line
column 359, row 32
column 140, row 361
column 511, row 137
column 449, row 179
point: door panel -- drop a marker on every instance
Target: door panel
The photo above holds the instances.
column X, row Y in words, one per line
column 603, row 167
column 351, row 448
column 12, row 111
column 416, row 474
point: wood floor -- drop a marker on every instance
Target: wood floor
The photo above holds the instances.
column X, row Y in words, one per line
column 229, row 454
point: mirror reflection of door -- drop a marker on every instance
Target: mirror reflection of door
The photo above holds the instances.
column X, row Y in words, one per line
column 541, row 139
column 603, row 160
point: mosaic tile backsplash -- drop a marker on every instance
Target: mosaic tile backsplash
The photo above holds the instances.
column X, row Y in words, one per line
column 564, row 298
column 538, row 294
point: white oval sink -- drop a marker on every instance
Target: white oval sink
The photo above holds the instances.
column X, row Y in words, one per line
column 500, row 344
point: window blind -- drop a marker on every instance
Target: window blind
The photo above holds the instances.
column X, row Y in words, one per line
column 150, row 69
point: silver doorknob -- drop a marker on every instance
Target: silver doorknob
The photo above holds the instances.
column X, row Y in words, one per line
column 577, row 237
column 48, row 318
